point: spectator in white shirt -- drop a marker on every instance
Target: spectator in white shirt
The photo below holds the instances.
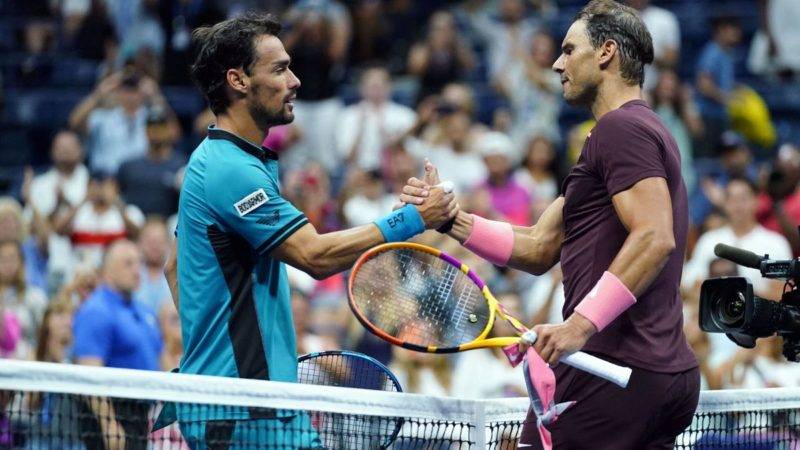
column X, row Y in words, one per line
column 113, row 117
column 65, row 183
column 366, row 128
column 100, row 220
column 743, row 231
column 666, row 33
column 370, row 200
column 773, row 50
column 448, row 146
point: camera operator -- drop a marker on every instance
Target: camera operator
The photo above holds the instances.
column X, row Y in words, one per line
column 742, row 231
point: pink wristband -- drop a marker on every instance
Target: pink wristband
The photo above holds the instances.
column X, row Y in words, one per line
column 491, row 240
column 11, row 333
column 608, row 299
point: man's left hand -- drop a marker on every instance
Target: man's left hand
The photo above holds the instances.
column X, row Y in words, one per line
column 555, row 341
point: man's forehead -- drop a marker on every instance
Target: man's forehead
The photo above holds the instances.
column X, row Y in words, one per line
column 270, row 50
column 576, row 33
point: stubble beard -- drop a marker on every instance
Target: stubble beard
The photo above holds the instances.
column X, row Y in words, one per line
column 263, row 116
column 585, row 97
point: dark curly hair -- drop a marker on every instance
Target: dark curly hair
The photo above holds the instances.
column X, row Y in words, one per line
column 227, row 45
column 607, row 19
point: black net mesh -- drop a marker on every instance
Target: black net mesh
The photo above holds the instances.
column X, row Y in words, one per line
column 760, row 429
column 50, row 406
column 76, row 422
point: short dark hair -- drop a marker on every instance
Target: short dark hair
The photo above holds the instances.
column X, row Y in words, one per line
column 607, row 19
column 747, row 181
column 227, row 45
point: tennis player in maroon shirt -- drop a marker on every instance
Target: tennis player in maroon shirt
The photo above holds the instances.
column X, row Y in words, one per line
column 619, row 231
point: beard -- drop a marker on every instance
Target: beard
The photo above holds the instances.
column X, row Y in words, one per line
column 584, row 97
column 265, row 117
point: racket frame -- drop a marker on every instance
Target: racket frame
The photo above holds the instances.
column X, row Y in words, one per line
column 495, row 308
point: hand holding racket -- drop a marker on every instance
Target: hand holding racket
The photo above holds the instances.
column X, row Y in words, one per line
column 422, row 299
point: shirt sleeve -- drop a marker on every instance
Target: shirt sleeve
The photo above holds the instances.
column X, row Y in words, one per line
column 707, row 61
column 247, row 200
column 624, row 153
column 93, row 332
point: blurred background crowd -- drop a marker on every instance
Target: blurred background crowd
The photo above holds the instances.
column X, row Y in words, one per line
column 98, row 118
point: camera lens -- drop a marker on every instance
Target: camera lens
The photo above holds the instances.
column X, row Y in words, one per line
column 730, row 310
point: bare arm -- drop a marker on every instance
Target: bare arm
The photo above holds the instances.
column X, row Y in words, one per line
column 707, row 87
column 322, row 255
column 646, row 211
column 80, row 114
column 171, row 273
column 536, row 248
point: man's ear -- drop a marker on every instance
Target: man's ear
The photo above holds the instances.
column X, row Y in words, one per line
column 237, row 80
column 606, row 52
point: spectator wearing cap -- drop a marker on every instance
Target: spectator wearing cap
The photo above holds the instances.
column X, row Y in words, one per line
column 101, row 219
column 507, row 197
column 715, row 80
column 734, row 159
column 152, row 182
column 113, row 118
column 366, row 128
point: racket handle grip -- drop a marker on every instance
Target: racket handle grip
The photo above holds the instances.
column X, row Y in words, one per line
column 616, row 374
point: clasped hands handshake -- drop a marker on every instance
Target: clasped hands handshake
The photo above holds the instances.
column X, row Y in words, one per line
column 435, row 201
column 437, row 205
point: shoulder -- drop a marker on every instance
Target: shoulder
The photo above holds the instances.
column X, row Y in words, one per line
column 94, row 308
column 623, row 123
column 775, row 240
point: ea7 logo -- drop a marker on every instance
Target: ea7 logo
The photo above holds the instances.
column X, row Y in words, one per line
column 251, row 202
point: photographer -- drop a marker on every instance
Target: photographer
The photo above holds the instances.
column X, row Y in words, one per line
column 743, row 231
column 113, row 119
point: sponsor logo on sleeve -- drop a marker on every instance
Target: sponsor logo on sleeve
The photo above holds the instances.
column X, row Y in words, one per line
column 251, row 202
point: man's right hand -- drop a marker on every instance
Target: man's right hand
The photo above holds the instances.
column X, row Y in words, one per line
column 435, row 205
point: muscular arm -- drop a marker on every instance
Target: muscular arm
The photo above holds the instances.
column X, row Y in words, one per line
column 322, row 255
column 536, row 248
column 646, row 211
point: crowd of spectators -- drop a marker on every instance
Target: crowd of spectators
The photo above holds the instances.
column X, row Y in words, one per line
column 385, row 84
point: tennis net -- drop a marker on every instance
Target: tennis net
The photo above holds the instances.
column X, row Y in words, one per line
column 55, row 406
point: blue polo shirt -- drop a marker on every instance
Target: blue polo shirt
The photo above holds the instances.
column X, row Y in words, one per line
column 121, row 332
column 235, row 309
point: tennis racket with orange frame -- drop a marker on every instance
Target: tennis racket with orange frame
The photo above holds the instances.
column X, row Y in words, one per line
column 422, row 299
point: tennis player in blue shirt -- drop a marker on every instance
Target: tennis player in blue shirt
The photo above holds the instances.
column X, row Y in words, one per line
column 235, row 231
